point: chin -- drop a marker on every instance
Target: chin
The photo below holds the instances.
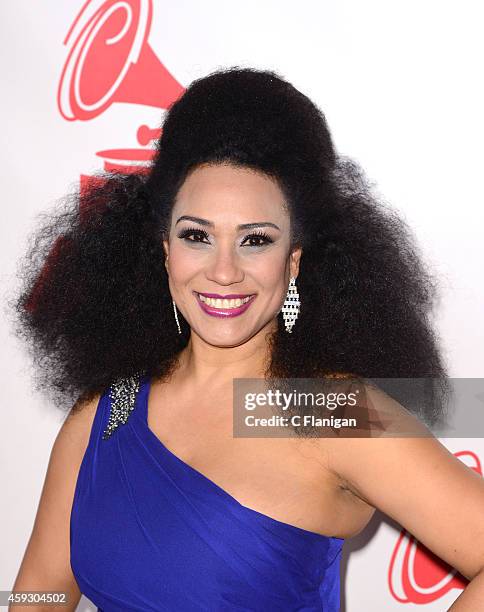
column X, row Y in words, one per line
column 226, row 340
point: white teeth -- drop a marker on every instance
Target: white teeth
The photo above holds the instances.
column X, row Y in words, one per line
column 223, row 303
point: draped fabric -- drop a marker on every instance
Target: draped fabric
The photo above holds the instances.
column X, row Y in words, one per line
column 149, row 532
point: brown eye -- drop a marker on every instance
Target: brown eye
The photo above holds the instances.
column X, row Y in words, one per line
column 261, row 239
column 199, row 233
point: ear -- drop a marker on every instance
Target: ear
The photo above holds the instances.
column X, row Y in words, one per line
column 166, row 249
column 295, row 258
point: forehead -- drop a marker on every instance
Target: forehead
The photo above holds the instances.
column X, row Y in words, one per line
column 214, row 191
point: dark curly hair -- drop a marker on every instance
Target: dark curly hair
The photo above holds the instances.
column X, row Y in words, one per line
column 95, row 303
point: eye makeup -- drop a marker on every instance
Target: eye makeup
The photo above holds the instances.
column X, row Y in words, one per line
column 189, row 232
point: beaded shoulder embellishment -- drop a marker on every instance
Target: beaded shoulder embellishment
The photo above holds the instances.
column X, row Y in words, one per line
column 122, row 393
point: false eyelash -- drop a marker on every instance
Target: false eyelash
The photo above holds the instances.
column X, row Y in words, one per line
column 260, row 234
column 196, row 230
column 193, row 230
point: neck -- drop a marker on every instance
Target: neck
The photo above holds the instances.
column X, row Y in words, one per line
column 204, row 364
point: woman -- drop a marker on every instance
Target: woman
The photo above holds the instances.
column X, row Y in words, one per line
column 150, row 502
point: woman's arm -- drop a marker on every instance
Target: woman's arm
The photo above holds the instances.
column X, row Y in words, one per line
column 472, row 596
column 426, row 489
column 46, row 563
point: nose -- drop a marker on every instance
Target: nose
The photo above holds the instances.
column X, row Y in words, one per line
column 225, row 267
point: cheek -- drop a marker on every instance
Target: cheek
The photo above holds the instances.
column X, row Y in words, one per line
column 270, row 270
column 183, row 263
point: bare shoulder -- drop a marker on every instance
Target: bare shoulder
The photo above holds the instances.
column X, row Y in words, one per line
column 387, row 427
column 76, row 428
column 46, row 561
column 71, row 441
column 418, row 482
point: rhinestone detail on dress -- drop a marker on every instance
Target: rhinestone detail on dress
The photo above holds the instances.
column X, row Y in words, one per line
column 122, row 393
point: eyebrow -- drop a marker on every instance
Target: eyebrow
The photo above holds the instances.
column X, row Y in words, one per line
column 239, row 227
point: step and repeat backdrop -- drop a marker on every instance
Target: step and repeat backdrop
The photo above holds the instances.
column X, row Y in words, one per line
column 85, row 88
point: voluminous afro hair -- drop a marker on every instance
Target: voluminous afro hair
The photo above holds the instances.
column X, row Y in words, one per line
column 95, row 303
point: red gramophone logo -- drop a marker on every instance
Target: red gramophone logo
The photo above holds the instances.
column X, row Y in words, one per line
column 111, row 61
column 415, row 574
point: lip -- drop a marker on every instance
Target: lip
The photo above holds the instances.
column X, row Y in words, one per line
column 224, row 312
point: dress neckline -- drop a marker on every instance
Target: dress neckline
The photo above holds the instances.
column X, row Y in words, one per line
column 144, row 392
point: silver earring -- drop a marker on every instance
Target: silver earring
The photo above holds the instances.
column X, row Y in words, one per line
column 290, row 308
column 176, row 317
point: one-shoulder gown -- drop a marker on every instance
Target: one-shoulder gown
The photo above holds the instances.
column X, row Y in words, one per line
column 150, row 532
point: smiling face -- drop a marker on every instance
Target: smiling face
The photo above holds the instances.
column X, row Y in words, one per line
column 229, row 238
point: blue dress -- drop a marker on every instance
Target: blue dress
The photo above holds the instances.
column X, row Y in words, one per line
column 149, row 532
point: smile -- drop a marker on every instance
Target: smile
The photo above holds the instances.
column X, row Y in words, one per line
column 224, row 307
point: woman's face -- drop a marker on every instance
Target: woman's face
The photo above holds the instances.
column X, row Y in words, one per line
column 210, row 252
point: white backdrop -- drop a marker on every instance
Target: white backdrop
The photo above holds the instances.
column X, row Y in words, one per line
column 400, row 85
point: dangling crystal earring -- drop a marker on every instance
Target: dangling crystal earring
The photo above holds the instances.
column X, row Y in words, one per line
column 290, row 308
column 176, row 317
